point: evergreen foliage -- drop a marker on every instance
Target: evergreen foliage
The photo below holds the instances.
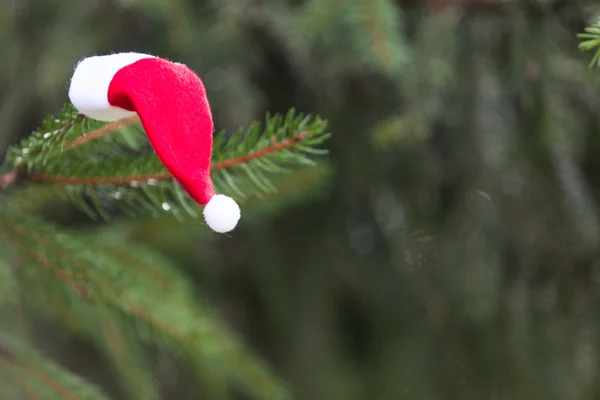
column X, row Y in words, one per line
column 99, row 288
column 26, row 369
column 447, row 247
column 119, row 171
column 110, row 292
column 590, row 40
column 94, row 286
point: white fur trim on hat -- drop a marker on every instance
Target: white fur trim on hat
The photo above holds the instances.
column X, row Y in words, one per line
column 90, row 82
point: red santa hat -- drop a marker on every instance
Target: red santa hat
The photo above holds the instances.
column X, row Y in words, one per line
column 170, row 100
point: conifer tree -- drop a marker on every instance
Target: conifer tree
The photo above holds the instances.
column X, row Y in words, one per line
column 125, row 298
column 454, row 256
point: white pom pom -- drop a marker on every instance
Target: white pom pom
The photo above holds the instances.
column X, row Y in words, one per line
column 222, row 213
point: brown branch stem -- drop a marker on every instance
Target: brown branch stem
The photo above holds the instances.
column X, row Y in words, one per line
column 45, row 262
column 28, row 391
column 128, row 304
column 7, row 354
column 56, row 386
column 106, row 129
column 161, row 176
column 13, row 176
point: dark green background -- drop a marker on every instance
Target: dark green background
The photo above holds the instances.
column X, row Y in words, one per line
column 453, row 251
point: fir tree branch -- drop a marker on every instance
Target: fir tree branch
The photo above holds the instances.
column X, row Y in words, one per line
column 127, row 180
column 109, row 286
column 44, row 261
column 7, row 354
column 117, row 173
column 53, row 382
column 29, row 392
column 66, row 130
column 54, row 385
column 41, row 177
column 13, row 175
column 275, row 146
column 97, row 133
column 176, row 318
column 590, row 41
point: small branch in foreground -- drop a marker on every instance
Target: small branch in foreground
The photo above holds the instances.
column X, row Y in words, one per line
column 162, row 176
column 106, row 129
column 13, row 176
column 275, row 146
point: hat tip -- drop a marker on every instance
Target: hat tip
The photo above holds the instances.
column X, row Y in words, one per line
column 222, row 213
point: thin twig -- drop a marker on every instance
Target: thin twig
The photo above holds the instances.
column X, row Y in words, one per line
column 7, row 354
column 161, row 176
column 46, row 263
column 276, row 146
column 127, row 304
column 106, row 129
column 56, row 386
column 95, row 180
column 13, row 176
column 26, row 389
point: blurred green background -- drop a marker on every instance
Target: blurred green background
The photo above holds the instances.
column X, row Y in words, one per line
column 450, row 247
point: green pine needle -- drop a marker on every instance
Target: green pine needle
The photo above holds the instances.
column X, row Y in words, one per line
column 119, row 172
column 591, row 41
column 39, row 378
column 84, row 280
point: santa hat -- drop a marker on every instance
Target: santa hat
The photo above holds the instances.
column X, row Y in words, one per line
column 171, row 102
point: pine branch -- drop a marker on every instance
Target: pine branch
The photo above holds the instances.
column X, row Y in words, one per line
column 105, row 130
column 160, row 176
column 103, row 176
column 123, row 282
column 40, row 258
column 49, row 140
column 171, row 236
column 43, row 379
column 590, row 40
column 29, row 392
column 54, row 138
